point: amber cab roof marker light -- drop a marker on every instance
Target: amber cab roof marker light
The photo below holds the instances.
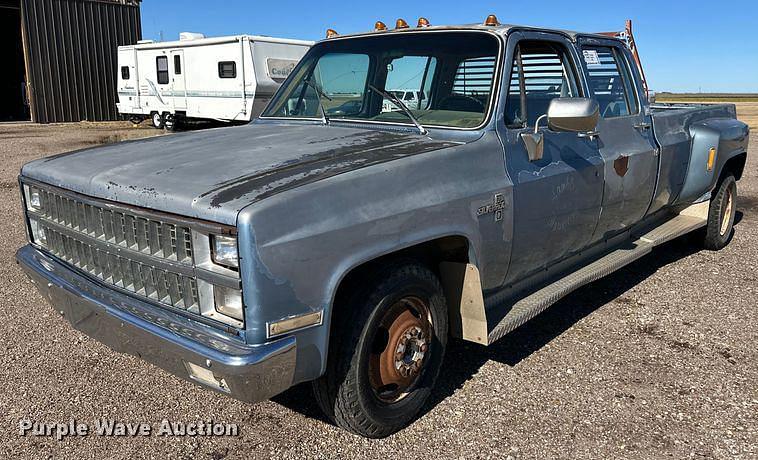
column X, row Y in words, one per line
column 423, row 22
column 401, row 24
column 491, row 21
column 380, row 26
column 331, row 33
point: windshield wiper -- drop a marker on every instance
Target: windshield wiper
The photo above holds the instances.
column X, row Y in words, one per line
column 320, row 94
column 400, row 105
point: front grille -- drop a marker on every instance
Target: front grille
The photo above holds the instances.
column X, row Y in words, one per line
column 148, row 236
column 164, row 286
column 134, row 251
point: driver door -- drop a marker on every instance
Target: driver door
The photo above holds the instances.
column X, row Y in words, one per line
column 556, row 203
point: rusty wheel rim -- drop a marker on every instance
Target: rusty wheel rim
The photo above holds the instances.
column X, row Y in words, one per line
column 727, row 214
column 400, row 349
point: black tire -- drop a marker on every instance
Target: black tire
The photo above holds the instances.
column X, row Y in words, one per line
column 347, row 393
column 720, row 227
column 170, row 122
column 156, row 120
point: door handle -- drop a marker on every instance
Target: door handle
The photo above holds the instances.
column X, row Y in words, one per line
column 643, row 126
column 591, row 135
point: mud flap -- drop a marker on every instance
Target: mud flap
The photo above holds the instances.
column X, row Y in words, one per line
column 463, row 291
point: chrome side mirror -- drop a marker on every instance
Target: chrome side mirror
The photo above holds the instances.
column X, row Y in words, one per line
column 575, row 114
column 568, row 114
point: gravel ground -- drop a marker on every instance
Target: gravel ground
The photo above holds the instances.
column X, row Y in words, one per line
column 658, row 360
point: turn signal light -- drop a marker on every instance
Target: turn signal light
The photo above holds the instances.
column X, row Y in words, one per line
column 401, row 24
column 423, row 22
column 380, row 26
column 491, row 21
column 711, row 158
column 331, row 33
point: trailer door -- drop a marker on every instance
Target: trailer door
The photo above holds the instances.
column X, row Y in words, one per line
column 178, row 81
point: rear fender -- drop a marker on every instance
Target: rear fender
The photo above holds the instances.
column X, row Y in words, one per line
column 724, row 138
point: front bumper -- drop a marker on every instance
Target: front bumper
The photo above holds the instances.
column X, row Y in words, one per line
column 250, row 373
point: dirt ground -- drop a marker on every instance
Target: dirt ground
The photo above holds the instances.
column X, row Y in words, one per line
column 658, row 360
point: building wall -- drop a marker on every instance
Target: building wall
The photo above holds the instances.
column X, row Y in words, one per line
column 12, row 101
column 70, row 48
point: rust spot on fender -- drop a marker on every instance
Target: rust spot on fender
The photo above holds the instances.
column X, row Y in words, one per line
column 621, row 165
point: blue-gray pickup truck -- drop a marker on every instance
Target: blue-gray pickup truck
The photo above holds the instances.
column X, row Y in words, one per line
column 339, row 241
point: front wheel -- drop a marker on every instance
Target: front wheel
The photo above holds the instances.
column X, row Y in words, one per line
column 386, row 352
column 721, row 214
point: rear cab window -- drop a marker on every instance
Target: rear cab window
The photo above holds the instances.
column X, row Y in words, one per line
column 610, row 81
column 541, row 71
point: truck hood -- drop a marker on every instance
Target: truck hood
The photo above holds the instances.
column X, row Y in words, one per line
column 214, row 174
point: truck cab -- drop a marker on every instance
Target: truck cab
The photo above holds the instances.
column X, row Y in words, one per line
column 335, row 242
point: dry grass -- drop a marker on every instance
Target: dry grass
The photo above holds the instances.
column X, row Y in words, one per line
column 747, row 107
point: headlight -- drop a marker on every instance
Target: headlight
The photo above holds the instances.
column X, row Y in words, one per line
column 38, row 232
column 224, row 251
column 228, row 302
column 33, row 198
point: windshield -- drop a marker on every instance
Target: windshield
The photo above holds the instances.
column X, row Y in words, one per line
column 444, row 78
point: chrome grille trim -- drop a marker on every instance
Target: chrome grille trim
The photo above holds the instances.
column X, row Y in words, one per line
column 146, row 253
column 174, row 289
column 150, row 236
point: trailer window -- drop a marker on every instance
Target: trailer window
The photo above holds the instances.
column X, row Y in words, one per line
column 545, row 71
column 227, row 69
column 125, row 72
column 177, row 64
column 610, row 81
column 161, row 63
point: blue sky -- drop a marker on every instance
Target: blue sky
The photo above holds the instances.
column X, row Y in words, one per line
column 686, row 46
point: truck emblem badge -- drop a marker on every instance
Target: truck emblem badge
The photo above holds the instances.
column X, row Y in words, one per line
column 496, row 207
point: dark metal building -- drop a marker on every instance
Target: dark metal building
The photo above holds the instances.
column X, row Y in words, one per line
column 62, row 64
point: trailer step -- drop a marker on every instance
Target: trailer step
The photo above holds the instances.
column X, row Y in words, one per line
column 528, row 307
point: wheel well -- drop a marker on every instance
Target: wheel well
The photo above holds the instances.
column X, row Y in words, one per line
column 439, row 255
column 430, row 253
column 735, row 165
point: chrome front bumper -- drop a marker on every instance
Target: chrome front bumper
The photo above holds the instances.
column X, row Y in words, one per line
column 251, row 373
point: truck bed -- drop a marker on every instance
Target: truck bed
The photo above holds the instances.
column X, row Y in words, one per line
column 685, row 134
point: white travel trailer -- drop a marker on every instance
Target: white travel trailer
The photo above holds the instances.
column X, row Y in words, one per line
column 225, row 78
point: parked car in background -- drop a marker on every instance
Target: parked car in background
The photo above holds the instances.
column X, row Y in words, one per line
column 413, row 99
column 196, row 78
column 346, row 247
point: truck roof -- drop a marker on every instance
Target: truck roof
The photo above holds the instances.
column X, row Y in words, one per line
column 216, row 41
column 501, row 29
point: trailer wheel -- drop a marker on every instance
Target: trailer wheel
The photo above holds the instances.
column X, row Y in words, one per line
column 170, row 122
column 386, row 352
column 157, row 120
column 720, row 225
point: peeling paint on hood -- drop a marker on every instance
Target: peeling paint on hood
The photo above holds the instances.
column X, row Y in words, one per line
column 213, row 174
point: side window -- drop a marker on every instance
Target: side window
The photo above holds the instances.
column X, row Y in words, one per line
column 542, row 71
column 177, row 64
column 227, row 69
column 161, row 63
column 125, row 72
column 610, row 81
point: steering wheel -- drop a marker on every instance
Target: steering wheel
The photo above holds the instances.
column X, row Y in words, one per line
column 461, row 100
